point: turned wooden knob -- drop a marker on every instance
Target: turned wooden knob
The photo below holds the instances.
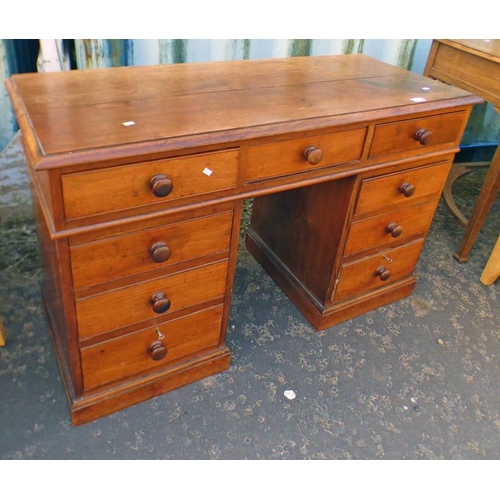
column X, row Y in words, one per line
column 160, row 252
column 423, row 136
column 383, row 273
column 312, row 155
column 407, row 189
column 394, row 229
column 161, row 185
column 159, row 302
column 157, row 350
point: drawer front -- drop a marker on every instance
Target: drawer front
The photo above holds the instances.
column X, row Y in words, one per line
column 290, row 157
column 132, row 304
column 150, row 183
column 389, row 229
column 134, row 354
column 441, row 131
column 377, row 270
column 395, row 191
column 160, row 247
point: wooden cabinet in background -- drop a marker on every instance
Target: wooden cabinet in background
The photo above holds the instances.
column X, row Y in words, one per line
column 139, row 176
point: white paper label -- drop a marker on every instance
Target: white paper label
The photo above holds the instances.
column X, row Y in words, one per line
column 418, row 99
column 128, row 124
column 207, row 171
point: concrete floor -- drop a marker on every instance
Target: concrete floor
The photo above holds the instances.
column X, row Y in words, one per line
column 418, row 379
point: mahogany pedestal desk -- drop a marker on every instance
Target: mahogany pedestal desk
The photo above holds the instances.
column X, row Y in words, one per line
column 139, row 176
column 473, row 65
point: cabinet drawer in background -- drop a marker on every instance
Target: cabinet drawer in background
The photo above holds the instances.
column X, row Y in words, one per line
column 134, row 353
column 401, row 189
column 389, row 229
column 159, row 247
column 398, row 137
column 135, row 303
column 377, row 270
column 290, row 157
column 119, row 188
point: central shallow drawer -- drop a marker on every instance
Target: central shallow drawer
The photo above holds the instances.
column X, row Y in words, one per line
column 377, row 270
column 159, row 247
column 133, row 304
column 290, row 157
column 401, row 189
column 131, row 354
column 119, row 188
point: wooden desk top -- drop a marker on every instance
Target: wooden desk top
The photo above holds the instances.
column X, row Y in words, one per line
column 77, row 117
column 489, row 49
column 473, row 65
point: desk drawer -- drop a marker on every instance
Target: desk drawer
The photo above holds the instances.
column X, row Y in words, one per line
column 133, row 304
column 389, row 229
column 150, row 183
column 134, row 353
column 377, row 270
column 398, row 137
column 290, row 157
column 406, row 188
column 159, row 247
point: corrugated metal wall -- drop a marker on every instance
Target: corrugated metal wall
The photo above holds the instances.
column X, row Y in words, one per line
column 7, row 120
column 409, row 54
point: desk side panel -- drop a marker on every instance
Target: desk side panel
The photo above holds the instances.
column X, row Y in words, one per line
column 58, row 302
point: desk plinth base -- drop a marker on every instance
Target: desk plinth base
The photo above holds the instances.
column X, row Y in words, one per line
column 100, row 403
column 325, row 317
column 89, row 408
